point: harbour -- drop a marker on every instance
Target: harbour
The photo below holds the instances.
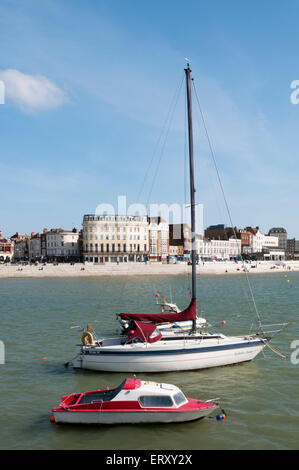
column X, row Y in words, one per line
column 259, row 397
column 168, row 324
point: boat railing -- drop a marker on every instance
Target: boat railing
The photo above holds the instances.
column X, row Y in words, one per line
column 273, row 328
column 114, row 338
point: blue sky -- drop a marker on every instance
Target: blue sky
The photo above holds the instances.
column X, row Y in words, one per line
column 88, row 88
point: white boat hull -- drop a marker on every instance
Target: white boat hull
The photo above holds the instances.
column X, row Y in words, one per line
column 108, row 417
column 147, row 358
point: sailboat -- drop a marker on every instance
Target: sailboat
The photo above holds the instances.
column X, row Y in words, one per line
column 144, row 348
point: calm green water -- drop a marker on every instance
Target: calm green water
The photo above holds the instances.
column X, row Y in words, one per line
column 260, row 398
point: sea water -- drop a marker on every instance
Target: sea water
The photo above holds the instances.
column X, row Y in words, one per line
column 37, row 317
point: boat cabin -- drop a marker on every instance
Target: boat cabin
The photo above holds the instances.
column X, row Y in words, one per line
column 132, row 393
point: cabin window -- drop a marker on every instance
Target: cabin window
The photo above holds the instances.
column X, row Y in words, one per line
column 179, row 398
column 158, row 401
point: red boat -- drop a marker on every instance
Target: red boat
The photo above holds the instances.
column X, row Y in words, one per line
column 134, row 401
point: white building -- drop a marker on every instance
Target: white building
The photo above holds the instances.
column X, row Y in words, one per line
column 261, row 242
column 219, row 249
column 275, row 255
column 62, row 244
column 115, row 238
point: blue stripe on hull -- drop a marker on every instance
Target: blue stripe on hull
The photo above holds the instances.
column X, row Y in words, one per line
column 175, row 351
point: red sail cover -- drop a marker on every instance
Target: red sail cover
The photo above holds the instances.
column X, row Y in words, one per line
column 188, row 314
column 146, row 332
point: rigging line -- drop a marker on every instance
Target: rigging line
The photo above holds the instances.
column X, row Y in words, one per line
column 171, row 115
column 147, row 172
column 220, row 211
column 157, row 145
column 225, row 200
column 167, row 119
column 283, row 356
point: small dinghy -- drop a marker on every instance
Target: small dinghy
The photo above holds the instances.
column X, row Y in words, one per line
column 134, row 401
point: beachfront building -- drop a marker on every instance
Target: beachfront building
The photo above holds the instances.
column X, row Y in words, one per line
column 202, row 247
column 34, row 247
column 21, row 247
column 281, row 234
column 180, row 237
column 6, row 249
column 221, row 232
column 175, row 252
column 115, row 238
column 217, row 249
column 264, row 246
column 274, row 255
column 246, row 241
column 43, row 244
column 158, row 239
column 292, row 251
column 261, row 242
column 221, row 242
column 61, row 245
column 226, row 249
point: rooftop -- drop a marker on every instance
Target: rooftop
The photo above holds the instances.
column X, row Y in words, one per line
column 114, row 218
column 277, row 230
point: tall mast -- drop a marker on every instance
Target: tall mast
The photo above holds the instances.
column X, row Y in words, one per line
column 192, row 188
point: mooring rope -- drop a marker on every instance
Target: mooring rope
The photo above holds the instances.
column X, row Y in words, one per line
column 225, row 201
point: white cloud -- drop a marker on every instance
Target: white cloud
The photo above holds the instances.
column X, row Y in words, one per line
column 31, row 92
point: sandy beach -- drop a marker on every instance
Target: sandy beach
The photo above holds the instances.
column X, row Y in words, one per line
column 142, row 269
